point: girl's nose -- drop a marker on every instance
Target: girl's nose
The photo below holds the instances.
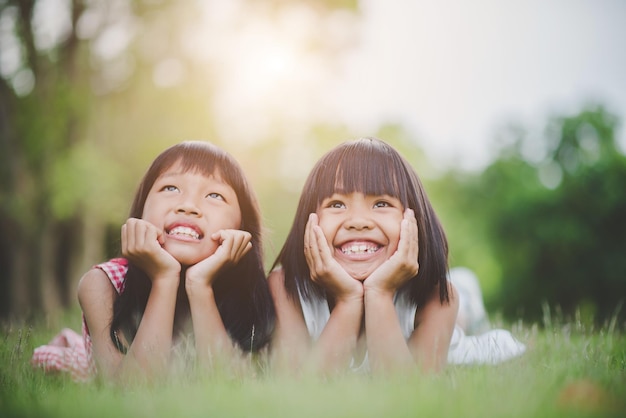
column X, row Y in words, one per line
column 359, row 219
column 188, row 206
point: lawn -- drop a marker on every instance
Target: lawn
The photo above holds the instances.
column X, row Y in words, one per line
column 571, row 369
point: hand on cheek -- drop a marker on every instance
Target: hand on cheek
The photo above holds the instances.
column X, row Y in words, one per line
column 325, row 270
column 232, row 245
column 142, row 244
column 403, row 264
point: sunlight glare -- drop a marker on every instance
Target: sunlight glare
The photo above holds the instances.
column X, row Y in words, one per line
column 265, row 65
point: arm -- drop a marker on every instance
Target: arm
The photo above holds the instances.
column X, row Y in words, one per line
column 338, row 340
column 387, row 347
column 292, row 348
column 429, row 342
column 211, row 336
column 434, row 325
column 96, row 295
column 290, row 342
column 151, row 345
column 150, row 349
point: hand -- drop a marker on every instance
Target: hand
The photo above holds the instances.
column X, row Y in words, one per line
column 233, row 245
column 142, row 244
column 403, row 264
column 325, row 270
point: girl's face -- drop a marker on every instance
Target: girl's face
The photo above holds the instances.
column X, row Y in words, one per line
column 362, row 231
column 189, row 207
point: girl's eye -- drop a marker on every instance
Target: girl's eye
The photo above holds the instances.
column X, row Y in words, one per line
column 382, row 204
column 336, row 205
column 216, row 196
column 170, row 188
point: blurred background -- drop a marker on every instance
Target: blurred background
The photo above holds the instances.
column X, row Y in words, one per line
column 512, row 114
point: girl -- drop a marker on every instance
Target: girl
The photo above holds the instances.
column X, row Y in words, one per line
column 363, row 273
column 192, row 262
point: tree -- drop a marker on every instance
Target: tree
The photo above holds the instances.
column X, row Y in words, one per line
column 86, row 104
column 556, row 226
column 41, row 105
column 50, row 92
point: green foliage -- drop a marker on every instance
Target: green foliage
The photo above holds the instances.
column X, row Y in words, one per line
column 561, row 244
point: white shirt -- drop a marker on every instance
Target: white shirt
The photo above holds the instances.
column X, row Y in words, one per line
column 491, row 347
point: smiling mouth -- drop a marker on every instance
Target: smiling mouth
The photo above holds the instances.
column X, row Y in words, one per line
column 184, row 231
column 353, row 249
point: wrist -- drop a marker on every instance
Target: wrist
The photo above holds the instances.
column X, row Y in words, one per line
column 354, row 295
column 196, row 286
column 378, row 292
column 353, row 306
column 166, row 281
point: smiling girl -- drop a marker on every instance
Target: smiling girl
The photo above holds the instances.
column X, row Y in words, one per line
column 362, row 279
column 192, row 264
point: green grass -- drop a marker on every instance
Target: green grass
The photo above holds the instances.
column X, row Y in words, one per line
column 570, row 370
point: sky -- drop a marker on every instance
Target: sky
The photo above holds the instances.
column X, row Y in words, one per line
column 455, row 71
column 452, row 72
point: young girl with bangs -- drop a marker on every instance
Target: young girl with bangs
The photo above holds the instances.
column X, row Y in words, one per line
column 362, row 281
column 192, row 265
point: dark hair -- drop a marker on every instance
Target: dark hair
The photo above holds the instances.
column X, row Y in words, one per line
column 241, row 291
column 372, row 167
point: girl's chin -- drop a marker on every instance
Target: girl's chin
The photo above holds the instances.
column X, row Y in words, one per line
column 187, row 259
column 359, row 274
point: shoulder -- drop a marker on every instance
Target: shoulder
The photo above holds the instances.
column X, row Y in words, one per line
column 103, row 279
column 96, row 295
column 435, row 310
column 116, row 270
column 276, row 280
column 93, row 285
column 276, row 283
column 284, row 303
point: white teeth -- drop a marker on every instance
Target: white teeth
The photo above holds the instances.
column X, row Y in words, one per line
column 359, row 249
column 184, row 230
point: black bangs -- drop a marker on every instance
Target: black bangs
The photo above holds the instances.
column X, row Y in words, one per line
column 194, row 156
column 365, row 166
column 206, row 159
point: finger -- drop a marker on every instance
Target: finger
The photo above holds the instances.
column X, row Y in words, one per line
column 141, row 236
column 160, row 237
column 124, row 237
column 246, row 244
column 147, row 236
column 413, row 232
column 323, row 249
column 223, row 243
column 318, row 246
column 233, row 243
column 243, row 250
column 408, row 232
column 412, row 238
column 150, row 235
column 131, row 236
column 312, row 250
column 307, row 238
column 240, row 240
